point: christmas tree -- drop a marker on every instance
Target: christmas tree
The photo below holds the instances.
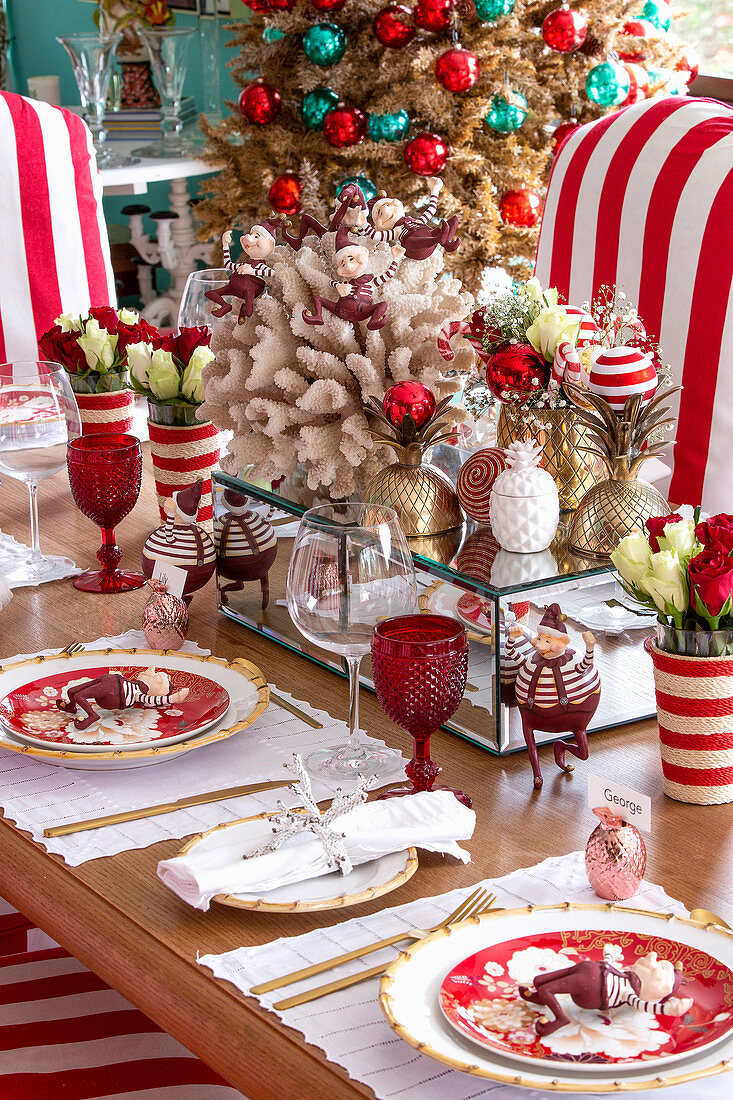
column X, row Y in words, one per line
column 479, row 92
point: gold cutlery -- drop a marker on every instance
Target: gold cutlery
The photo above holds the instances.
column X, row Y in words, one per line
column 163, row 808
column 70, row 649
column 478, row 900
column 278, row 699
column 704, row 916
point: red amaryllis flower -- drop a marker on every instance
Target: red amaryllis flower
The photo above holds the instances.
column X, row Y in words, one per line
column 655, row 526
column 62, row 347
column 711, row 581
column 108, row 318
column 716, row 533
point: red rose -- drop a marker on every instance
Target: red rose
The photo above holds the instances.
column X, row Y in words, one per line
column 716, row 533
column 655, row 526
column 186, row 341
column 142, row 330
column 711, row 581
column 62, row 347
column 108, row 318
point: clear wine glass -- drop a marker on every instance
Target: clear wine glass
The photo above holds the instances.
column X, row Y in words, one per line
column 38, row 418
column 195, row 309
column 92, row 57
column 169, row 51
column 350, row 567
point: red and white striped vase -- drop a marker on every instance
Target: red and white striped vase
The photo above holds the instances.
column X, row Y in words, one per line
column 695, row 716
column 111, row 411
column 183, row 449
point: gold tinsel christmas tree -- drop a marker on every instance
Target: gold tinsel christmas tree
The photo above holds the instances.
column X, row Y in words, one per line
column 326, row 99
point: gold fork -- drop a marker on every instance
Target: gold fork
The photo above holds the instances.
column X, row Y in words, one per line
column 70, row 649
column 479, row 902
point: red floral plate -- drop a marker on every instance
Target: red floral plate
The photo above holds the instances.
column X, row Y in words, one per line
column 480, row 998
column 30, row 712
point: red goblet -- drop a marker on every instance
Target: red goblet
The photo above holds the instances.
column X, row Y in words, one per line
column 105, row 471
column 420, row 664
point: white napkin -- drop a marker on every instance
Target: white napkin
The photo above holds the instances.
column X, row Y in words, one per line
column 433, row 820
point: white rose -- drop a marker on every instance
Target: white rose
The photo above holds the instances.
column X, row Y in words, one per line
column 129, row 316
column 69, row 322
column 680, row 537
column 666, row 582
column 192, row 386
column 163, row 376
column 550, row 329
column 632, row 557
column 139, row 361
column 98, row 345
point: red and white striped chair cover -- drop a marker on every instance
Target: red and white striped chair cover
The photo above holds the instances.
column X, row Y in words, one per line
column 643, row 198
column 64, row 1033
column 55, row 252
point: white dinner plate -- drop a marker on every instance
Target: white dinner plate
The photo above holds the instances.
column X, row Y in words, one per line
column 410, row 997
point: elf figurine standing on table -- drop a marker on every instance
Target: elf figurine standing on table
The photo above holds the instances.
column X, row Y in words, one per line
column 553, row 694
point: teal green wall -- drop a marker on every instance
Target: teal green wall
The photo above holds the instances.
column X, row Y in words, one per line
column 35, row 52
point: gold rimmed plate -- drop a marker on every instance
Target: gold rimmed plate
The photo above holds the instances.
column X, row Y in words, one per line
column 334, row 891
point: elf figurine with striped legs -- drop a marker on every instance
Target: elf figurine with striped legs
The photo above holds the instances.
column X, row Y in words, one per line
column 554, row 695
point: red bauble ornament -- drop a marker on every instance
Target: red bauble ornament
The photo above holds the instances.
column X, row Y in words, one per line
column 638, row 28
column 639, row 84
column 433, row 15
column 282, row 5
column 565, row 30
column 345, row 126
column 284, row 194
column 521, row 208
column 457, row 69
column 563, row 130
column 517, row 370
column 409, row 397
column 426, row 154
column 392, row 27
column 260, row 7
column 328, row 5
column 620, row 372
column 689, row 63
column 260, row 103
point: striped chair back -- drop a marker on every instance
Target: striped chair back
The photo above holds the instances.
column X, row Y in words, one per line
column 55, row 252
column 643, row 198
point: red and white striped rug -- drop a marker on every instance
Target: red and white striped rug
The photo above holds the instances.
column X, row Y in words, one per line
column 64, row 1033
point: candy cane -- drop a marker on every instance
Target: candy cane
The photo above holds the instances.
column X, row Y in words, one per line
column 458, row 328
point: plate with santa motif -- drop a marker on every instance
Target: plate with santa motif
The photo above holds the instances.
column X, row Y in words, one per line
column 31, row 711
column 430, row 997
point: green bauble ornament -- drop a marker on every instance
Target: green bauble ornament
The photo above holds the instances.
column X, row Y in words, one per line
column 365, row 185
column 607, row 84
column 658, row 13
column 272, row 34
column 491, row 11
column 316, row 105
column 324, row 44
column 391, row 127
column 504, row 117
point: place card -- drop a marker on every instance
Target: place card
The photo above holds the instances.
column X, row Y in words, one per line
column 171, row 576
column 624, row 802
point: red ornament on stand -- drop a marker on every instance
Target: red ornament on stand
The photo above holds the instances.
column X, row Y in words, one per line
column 475, row 480
column 411, row 398
column 564, row 30
column 392, row 27
column 521, row 208
column 457, row 69
column 563, row 130
column 426, row 154
column 284, row 193
column 433, row 15
column 517, row 370
column 260, row 103
column 344, row 126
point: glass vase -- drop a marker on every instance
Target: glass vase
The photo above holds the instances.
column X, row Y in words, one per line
column 694, row 643
column 169, row 51
column 92, row 58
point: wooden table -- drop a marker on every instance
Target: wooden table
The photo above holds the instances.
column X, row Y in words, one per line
column 115, row 915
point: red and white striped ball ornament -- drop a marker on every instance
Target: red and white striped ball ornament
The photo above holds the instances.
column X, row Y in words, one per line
column 475, row 480
column 589, row 330
column 619, row 373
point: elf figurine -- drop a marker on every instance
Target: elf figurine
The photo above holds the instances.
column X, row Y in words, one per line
column 150, row 688
column 247, row 281
column 553, row 694
column 418, row 237
column 355, row 286
column 350, row 210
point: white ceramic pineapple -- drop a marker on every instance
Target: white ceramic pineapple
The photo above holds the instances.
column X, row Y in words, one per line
column 524, row 506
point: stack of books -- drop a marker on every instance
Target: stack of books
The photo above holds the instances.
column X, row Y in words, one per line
column 140, row 124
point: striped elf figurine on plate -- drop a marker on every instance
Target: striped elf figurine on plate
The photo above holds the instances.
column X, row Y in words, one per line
column 554, row 694
column 181, row 542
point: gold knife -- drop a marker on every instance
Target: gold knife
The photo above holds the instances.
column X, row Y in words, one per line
column 163, row 808
column 332, row 987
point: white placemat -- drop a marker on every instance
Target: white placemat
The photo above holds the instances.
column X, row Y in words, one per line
column 36, row 795
column 13, row 554
column 349, row 1026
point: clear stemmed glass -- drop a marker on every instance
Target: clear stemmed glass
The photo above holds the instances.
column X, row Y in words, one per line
column 195, row 309
column 350, row 567
column 92, row 57
column 38, row 417
column 169, row 51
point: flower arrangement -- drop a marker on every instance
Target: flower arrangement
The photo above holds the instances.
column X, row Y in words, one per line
column 126, row 16
column 93, row 349
column 167, row 370
column 683, row 569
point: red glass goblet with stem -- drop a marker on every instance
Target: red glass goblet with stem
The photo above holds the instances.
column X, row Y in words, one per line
column 419, row 665
column 105, row 471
